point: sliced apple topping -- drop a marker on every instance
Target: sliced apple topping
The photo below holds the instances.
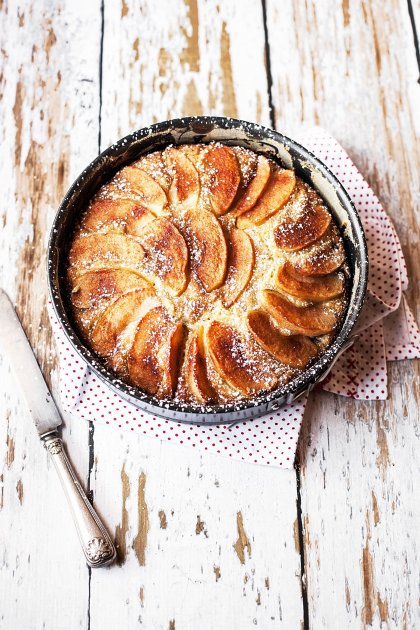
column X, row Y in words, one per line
column 195, row 371
column 154, row 165
column 220, row 176
column 294, row 234
column 104, row 251
column 185, row 187
column 311, row 321
column 274, row 196
column 311, row 288
column 208, row 250
column 153, row 359
column 94, row 287
column 240, row 268
column 235, row 361
column 294, row 350
column 254, row 189
column 167, row 254
column 323, row 257
column 117, row 215
column 150, row 193
column 111, row 324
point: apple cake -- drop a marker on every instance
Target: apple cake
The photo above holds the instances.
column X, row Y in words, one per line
column 206, row 274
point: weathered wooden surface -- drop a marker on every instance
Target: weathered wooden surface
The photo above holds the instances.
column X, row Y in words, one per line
column 203, row 541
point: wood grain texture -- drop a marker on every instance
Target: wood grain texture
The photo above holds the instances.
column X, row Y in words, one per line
column 204, row 542
column 202, row 531
column 204, row 566
column 354, row 72
column 49, row 114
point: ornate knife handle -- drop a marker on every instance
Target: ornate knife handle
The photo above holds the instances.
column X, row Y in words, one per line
column 96, row 543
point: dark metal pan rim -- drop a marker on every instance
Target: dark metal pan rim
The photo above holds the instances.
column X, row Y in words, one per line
column 263, row 403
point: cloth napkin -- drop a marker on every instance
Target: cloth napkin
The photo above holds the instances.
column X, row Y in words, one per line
column 386, row 332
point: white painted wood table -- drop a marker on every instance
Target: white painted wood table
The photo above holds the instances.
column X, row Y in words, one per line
column 205, row 542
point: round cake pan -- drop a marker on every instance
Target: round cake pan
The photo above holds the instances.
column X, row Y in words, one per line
column 204, row 129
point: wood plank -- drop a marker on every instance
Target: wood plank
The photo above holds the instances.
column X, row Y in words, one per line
column 351, row 70
column 49, row 113
column 203, row 541
column 206, row 542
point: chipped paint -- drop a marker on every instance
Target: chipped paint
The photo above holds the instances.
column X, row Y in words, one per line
column 10, row 452
column 382, row 460
column 243, row 542
column 191, row 53
column 229, row 98
column 199, row 526
column 140, row 541
column 163, row 523
column 19, row 490
column 141, row 596
column 376, row 518
column 217, row 573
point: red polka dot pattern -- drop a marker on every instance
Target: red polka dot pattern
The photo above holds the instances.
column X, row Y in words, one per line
column 387, row 331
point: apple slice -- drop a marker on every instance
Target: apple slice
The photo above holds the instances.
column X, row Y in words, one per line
column 150, row 193
column 196, row 380
column 234, row 359
column 94, row 287
column 153, row 360
column 207, row 246
column 312, row 288
column 104, row 251
column 294, row 350
column 117, row 215
column 241, row 265
column 185, row 187
column 310, row 321
column 154, row 165
column 253, row 191
column 111, row 324
column 322, row 257
column 275, row 195
column 221, row 177
column 292, row 235
column 167, row 254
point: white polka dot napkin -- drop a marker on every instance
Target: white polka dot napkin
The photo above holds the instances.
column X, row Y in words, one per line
column 386, row 332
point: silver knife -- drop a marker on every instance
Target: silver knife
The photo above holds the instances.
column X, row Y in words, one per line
column 96, row 543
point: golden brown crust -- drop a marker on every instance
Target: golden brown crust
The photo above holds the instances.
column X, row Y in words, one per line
column 167, row 254
column 241, row 265
column 157, row 259
column 294, row 350
column 93, row 287
column 311, row 321
column 207, row 241
column 150, row 194
column 250, row 195
column 274, row 196
column 294, row 234
column 221, row 177
column 153, row 359
column 311, row 288
column 96, row 251
column 233, row 359
column 195, row 370
column 112, row 322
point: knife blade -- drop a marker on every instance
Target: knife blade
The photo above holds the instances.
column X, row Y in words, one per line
column 15, row 346
column 96, row 543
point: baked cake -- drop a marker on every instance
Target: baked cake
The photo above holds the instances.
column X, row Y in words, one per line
column 207, row 274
